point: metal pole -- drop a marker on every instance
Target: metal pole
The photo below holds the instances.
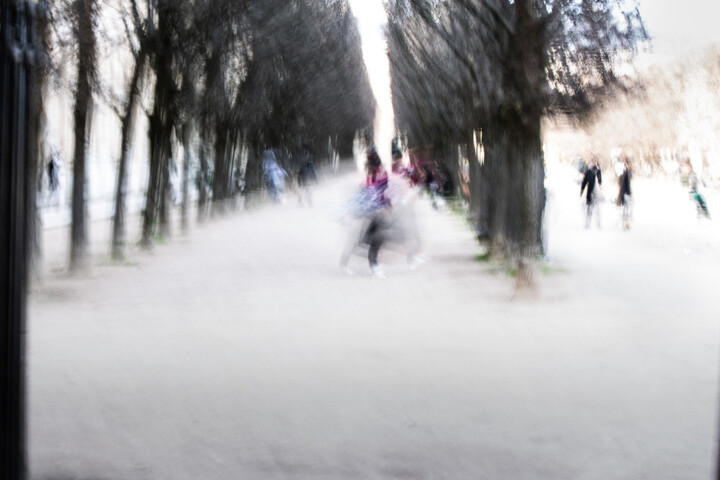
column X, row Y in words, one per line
column 15, row 59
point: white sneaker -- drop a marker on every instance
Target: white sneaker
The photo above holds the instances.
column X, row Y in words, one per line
column 347, row 270
column 377, row 272
column 415, row 261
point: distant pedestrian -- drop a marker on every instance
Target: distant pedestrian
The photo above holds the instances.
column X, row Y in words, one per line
column 698, row 197
column 53, row 178
column 274, row 175
column 397, row 159
column 307, row 177
column 624, row 198
column 404, row 231
column 403, row 194
column 592, row 177
column 238, row 181
column 52, row 172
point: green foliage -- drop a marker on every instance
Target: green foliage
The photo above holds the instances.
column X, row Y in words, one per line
column 553, row 269
column 159, row 239
column 483, row 257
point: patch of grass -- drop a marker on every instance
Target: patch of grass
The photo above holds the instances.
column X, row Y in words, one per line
column 457, row 206
column 504, row 265
column 552, row 270
column 159, row 239
column 110, row 262
column 483, row 257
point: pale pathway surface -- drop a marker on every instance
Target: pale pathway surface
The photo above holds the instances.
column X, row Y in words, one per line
column 242, row 352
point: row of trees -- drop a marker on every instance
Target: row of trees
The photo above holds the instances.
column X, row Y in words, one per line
column 237, row 74
column 490, row 71
column 229, row 75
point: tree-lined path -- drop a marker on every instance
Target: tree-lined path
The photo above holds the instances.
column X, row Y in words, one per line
column 241, row 351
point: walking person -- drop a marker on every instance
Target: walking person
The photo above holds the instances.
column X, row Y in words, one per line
column 307, row 177
column 624, row 199
column 274, row 175
column 373, row 207
column 403, row 194
column 593, row 176
column 53, row 177
column 698, row 197
column 377, row 181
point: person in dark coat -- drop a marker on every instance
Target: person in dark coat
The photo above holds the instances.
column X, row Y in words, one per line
column 624, row 182
column 592, row 176
column 625, row 193
column 307, row 177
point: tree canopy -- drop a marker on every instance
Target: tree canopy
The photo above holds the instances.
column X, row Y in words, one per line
column 234, row 74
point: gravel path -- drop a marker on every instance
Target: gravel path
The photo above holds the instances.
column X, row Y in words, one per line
column 240, row 351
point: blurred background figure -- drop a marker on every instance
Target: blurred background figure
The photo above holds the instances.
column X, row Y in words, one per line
column 624, row 198
column 403, row 193
column 53, row 177
column 238, row 181
column 592, row 176
column 696, row 192
column 426, row 171
column 371, row 207
column 398, row 166
column 274, row 175
column 307, row 177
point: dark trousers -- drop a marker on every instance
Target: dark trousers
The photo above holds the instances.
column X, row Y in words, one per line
column 375, row 236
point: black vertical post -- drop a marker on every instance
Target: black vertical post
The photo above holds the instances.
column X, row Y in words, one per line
column 15, row 59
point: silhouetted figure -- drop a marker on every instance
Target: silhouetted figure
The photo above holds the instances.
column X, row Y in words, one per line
column 592, row 176
column 397, row 158
column 625, row 194
column 698, row 197
column 307, row 177
column 53, row 179
column 274, row 175
column 52, row 173
column 402, row 191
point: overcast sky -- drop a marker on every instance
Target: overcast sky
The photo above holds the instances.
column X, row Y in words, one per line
column 679, row 26
column 676, row 26
column 371, row 19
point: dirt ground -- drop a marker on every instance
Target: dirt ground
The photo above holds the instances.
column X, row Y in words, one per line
column 241, row 351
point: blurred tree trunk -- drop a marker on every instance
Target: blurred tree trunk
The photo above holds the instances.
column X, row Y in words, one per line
column 514, row 134
column 480, row 204
column 128, row 122
column 449, row 165
column 161, row 122
column 84, row 12
column 253, row 171
column 38, row 119
column 35, row 166
column 235, row 166
column 186, row 135
column 152, row 188
column 165, row 200
column 515, row 153
column 220, row 179
column 160, row 133
column 202, row 183
column 159, row 149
